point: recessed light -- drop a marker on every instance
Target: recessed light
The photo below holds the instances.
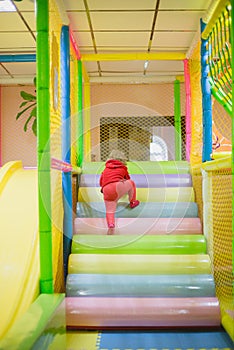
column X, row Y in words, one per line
column 7, row 6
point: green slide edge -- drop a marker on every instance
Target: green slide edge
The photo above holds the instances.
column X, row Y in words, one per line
column 28, row 328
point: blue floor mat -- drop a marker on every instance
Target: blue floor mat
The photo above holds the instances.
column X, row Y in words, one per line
column 167, row 340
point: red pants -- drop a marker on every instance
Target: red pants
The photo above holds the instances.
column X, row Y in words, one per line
column 113, row 192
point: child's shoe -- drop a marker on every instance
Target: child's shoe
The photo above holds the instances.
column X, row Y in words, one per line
column 134, row 204
column 111, row 225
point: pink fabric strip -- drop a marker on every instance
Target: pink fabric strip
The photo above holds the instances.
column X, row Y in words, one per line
column 187, row 108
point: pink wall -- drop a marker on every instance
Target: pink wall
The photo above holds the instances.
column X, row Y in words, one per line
column 15, row 143
column 109, row 100
column 106, row 100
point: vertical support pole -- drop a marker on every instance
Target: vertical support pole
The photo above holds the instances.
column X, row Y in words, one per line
column 80, row 132
column 43, row 146
column 187, row 108
column 206, row 101
column 232, row 62
column 0, row 126
column 177, row 113
column 87, row 123
column 66, row 145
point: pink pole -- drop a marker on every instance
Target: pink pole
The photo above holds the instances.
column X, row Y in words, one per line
column 0, row 127
column 74, row 44
column 187, row 109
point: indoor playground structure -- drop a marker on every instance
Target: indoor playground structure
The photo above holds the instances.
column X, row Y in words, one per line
column 163, row 278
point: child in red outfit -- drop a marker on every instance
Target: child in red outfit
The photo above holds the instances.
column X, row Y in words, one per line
column 115, row 182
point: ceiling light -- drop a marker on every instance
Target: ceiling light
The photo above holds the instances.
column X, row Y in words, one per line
column 7, row 6
column 146, row 64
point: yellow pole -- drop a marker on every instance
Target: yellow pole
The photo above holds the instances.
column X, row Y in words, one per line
column 169, row 56
column 87, row 123
column 216, row 13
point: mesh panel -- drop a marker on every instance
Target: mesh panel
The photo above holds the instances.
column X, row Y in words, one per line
column 219, row 58
column 196, row 107
column 217, row 192
column 222, row 237
column 222, row 119
column 55, row 25
column 133, row 101
column 197, row 186
column 133, row 135
column 221, row 128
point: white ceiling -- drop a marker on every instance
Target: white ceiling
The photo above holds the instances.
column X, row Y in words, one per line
column 109, row 26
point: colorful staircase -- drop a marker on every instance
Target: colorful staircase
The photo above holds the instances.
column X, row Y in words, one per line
column 152, row 271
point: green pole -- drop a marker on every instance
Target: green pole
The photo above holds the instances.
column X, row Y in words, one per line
column 43, row 146
column 232, row 45
column 80, row 134
column 177, row 113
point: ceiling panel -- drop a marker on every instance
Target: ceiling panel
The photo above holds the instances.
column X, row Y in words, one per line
column 84, row 39
column 25, row 5
column 122, row 20
column 17, row 41
column 169, row 66
column 122, row 40
column 122, row 66
column 78, row 21
column 30, row 19
column 18, row 68
column 3, row 72
column 72, row 5
column 172, row 41
column 184, row 4
column 11, row 22
column 91, row 66
column 121, row 26
column 123, row 74
column 121, row 4
column 178, row 20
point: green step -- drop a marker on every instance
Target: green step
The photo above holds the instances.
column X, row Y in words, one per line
column 139, row 244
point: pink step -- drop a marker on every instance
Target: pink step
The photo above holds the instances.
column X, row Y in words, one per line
column 149, row 226
column 107, row 312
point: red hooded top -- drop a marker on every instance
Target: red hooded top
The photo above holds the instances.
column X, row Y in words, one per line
column 114, row 171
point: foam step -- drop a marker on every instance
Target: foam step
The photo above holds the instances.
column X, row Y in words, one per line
column 143, row 167
column 110, row 285
column 139, row 264
column 144, row 180
column 139, row 244
column 144, row 210
column 112, row 312
column 139, row 226
column 166, row 194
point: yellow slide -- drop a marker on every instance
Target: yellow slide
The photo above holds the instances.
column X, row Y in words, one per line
column 19, row 248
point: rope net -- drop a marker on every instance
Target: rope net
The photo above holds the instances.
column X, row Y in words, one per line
column 219, row 59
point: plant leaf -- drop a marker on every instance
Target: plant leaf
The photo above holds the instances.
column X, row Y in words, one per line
column 23, row 103
column 26, row 96
column 34, row 112
column 27, row 121
column 34, row 127
column 24, row 110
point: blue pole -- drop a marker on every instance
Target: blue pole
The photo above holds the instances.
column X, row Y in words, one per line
column 66, row 144
column 206, row 101
column 18, row 58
